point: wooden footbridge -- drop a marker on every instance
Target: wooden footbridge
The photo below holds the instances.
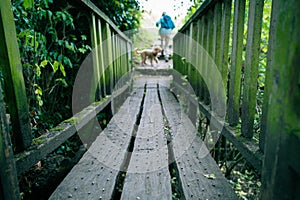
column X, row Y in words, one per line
column 151, row 148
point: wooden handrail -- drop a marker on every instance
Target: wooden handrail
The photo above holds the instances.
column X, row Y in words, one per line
column 14, row 87
column 208, row 31
column 276, row 155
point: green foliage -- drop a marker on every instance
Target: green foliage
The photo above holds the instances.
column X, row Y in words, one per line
column 51, row 51
column 125, row 14
column 193, row 9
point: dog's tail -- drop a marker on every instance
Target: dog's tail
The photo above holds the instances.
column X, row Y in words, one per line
column 137, row 52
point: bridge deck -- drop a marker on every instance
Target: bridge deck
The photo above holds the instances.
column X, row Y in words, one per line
column 133, row 158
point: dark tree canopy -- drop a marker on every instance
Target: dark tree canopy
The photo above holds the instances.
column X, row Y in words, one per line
column 125, row 13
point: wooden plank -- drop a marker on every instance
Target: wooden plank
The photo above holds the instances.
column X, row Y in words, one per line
column 121, row 57
column 281, row 170
column 251, row 67
column 95, row 176
column 192, row 157
column 205, row 57
column 114, row 66
column 186, row 53
column 49, row 142
column 193, row 56
column 124, row 57
column 181, row 51
column 225, row 39
column 11, row 67
column 209, row 49
column 118, row 58
column 108, row 55
column 96, row 84
column 236, row 66
column 248, row 148
column 198, row 57
column 217, row 34
column 177, row 50
column 189, row 53
column 101, row 59
column 148, row 176
column 268, row 81
column 176, row 54
column 129, row 56
column 217, row 87
column 202, row 60
column 183, row 55
column 8, row 174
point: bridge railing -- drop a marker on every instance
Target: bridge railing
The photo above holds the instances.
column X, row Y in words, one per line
column 209, row 41
column 110, row 60
column 218, row 29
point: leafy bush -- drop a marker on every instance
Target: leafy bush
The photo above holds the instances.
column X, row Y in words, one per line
column 51, row 51
column 125, row 14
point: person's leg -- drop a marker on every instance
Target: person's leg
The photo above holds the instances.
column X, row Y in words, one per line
column 162, row 38
column 161, row 41
column 167, row 39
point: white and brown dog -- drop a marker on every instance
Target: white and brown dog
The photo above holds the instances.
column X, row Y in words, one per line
column 151, row 54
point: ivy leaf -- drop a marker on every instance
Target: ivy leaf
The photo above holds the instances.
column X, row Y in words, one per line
column 62, row 69
column 63, row 81
column 55, row 66
column 44, row 63
column 83, row 37
column 28, row 4
column 38, row 70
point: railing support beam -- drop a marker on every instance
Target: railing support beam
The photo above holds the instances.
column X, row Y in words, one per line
column 281, row 167
column 14, row 87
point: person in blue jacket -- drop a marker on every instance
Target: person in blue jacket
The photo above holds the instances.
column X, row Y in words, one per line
column 166, row 26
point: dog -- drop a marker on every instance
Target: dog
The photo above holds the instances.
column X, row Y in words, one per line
column 148, row 53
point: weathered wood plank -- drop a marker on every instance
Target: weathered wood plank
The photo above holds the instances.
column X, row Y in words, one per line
column 281, row 170
column 217, row 85
column 101, row 59
column 148, row 176
column 96, row 84
column 202, row 61
column 94, row 177
column 225, row 39
column 236, row 66
column 186, row 53
column 198, row 57
column 248, row 148
column 8, row 174
column 251, row 66
column 118, row 59
column 192, row 157
column 194, row 54
column 209, row 56
column 217, row 34
column 205, row 57
column 268, row 81
column 176, row 54
column 108, row 55
column 11, row 67
column 128, row 56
